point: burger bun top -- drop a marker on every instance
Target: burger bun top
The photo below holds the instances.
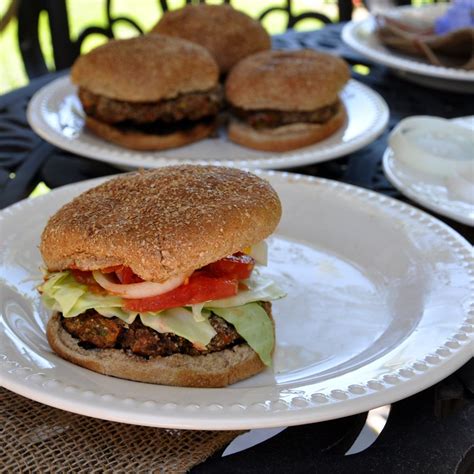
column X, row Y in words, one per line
column 228, row 34
column 163, row 222
column 146, row 69
column 302, row 80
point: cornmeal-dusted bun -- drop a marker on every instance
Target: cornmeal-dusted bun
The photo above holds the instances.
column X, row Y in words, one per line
column 228, row 34
column 137, row 140
column 300, row 80
column 145, row 69
column 286, row 137
column 216, row 369
column 163, row 222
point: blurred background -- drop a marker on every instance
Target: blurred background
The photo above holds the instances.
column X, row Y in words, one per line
column 83, row 13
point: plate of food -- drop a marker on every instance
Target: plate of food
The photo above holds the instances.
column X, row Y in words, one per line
column 134, row 103
column 163, row 276
column 430, row 160
column 418, row 44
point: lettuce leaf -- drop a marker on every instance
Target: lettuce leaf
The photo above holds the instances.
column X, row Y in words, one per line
column 181, row 322
column 93, row 301
column 253, row 323
column 197, row 311
column 62, row 292
column 123, row 314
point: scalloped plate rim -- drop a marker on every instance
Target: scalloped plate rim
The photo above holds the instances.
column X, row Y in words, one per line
column 390, row 172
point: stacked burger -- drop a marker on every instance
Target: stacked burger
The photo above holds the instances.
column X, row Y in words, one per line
column 149, row 93
column 153, row 276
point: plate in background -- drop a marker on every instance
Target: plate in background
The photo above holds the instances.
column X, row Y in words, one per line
column 428, row 190
column 56, row 115
column 361, row 36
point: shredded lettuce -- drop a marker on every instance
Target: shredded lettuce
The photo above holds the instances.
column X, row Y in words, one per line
column 252, row 322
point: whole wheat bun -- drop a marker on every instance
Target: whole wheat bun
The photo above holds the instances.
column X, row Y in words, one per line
column 216, row 369
column 228, row 34
column 146, row 69
column 136, row 140
column 286, row 137
column 162, row 222
column 303, row 80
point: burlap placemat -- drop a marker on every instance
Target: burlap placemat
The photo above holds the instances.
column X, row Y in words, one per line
column 38, row 438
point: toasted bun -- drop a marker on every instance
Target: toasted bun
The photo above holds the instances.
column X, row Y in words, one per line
column 146, row 69
column 287, row 137
column 162, row 222
column 302, row 80
column 136, row 140
column 228, row 34
column 216, row 369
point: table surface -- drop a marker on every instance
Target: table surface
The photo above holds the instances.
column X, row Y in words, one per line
column 410, row 441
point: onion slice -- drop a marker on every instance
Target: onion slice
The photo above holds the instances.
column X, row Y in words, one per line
column 433, row 145
column 144, row 289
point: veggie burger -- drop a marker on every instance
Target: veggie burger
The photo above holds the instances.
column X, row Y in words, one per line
column 153, row 276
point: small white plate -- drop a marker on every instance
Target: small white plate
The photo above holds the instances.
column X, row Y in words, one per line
column 55, row 114
column 380, row 306
column 361, row 37
column 428, row 190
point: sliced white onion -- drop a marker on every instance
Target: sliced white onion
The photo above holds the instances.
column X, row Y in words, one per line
column 137, row 290
column 259, row 252
column 433, row 145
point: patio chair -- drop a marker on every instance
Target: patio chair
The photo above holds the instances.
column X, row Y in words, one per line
column 66, row 49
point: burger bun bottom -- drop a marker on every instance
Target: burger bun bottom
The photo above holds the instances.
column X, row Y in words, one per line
column 216, row 369
column 137, row 140
column 286, row 137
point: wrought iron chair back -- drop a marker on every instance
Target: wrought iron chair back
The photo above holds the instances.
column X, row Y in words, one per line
column 66, row 50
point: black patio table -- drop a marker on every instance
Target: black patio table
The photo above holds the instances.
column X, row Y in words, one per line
column 432, row 431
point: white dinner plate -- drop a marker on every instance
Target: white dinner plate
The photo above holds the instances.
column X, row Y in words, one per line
column 361, row 36
column 428, row 190
column 55, row 114
column 379, row 306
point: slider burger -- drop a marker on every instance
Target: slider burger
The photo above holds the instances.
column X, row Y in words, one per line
column 153, row 276
column 282, row 100
column 228, row 34
column 149, row 93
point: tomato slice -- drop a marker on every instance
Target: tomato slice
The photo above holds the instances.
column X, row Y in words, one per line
column 111, row 269
column 86, row 278
column 200, row 288
column 83, row 277
column 236, row 267
column 126, row 275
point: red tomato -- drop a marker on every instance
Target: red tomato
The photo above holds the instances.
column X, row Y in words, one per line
column 236, row 267
column 111, row 269
column 126, row 275
column 86, row 278
column 199, row 289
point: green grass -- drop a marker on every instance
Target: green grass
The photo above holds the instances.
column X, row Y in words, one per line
column 83, row 13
